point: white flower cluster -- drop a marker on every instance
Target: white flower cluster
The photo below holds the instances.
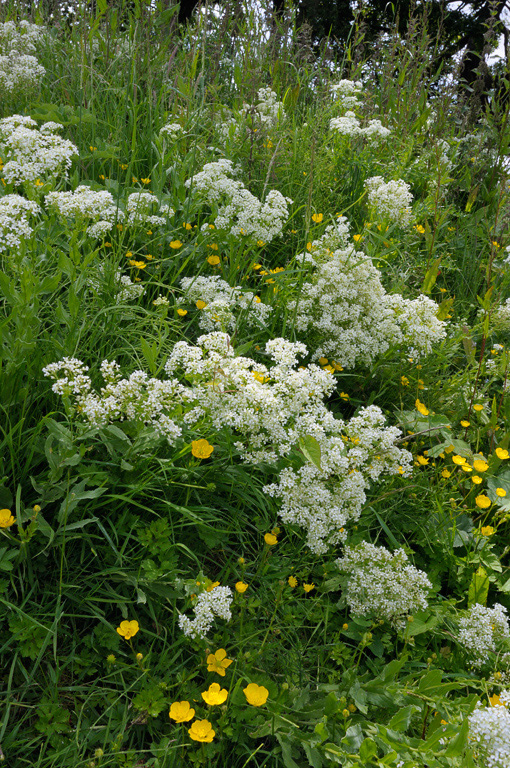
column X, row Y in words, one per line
column 238, row 211
column 216, row 602
column 20, row 72
column 349, row 125
column 489, row 733
column 383, row 584
column 269, row 110
column 390, row 200
column 14, row 224
column 481, row 628
column 85, row 203
column 125, row 289
column 324, row 500
column 224, row 303
column 271, row 410
column 138, row 398
column 144, row 208
column 347, row 314
column 172, row 131
column 347, row 92
column 29, row 153
column 500, row 318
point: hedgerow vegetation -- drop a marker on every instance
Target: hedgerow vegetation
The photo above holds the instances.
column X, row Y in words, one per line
column 254, row 465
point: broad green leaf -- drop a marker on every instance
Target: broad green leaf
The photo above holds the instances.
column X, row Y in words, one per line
column 311, row 449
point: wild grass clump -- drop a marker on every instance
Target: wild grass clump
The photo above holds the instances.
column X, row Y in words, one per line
column 254, row 417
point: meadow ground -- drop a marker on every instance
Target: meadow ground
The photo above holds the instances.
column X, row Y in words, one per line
column 254, row 424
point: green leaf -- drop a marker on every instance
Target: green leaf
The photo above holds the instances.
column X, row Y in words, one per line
column 401, row 721
column 311, row 449
column 431, row 276
column 478, row 588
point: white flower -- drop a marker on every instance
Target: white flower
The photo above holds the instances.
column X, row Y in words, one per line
column 29, row 153
column 216, row 602
column 489, row 732
column 390, row 200
column 480, row 628
column 383, row 584
column 14, row 220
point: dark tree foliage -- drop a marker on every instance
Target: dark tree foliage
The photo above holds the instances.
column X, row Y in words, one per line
column 461, row 25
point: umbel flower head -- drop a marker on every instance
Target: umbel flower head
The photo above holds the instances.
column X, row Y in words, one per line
column 256, row 695
column 128, row 629
column 181, row 712
column 215, row 695
column 202, row 730
column 218, row 662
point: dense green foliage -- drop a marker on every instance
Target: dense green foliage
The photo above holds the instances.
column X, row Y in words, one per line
column 114, row 523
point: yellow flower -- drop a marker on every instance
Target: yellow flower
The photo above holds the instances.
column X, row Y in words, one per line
column 458, row 460
column 421, row 408
column 292, row 581
column 241, row 587
column 449, row 449
column 478, row 407
column 213, row 260
column 6, row 518
column 465, row 423
column 446, row 473
column 404, row 381
column 482, row 501
column 308, row 587
column 257, row 266
column 200, row 304
column 188, row 226
column 139, row 656
column 466, row 468
column 123, row 166
column 344, row 395
column 422, row 460
column 256, row 695
column 212, row 585
column 181, row 712
column 201, row 449
column 260, row 243
column 501, row 453
column 145, row 181
column 500, row 492
column 182, row 312
column 480, row 465
column 175, row 244
column 92, row 149
column 495, row 701
column 420, row 229
column 270, row 539
column 323, row 361
column 476, row 479
column 202, row 730
column 215, row 695
column 357, row 238
column 487, row 530
column 317, row 217
column 137, row 264
column 218, row 662
column 128, row 629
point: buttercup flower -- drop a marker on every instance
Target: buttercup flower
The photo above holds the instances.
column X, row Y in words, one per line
column 202, row 730
column 182, row 312
column 308, row 587
column 175, row 244
column 270, row 539
column 421, row 408
column 446, row 473
column 215, row 695
column 181, row 712
column 458, row 460
column 464, row 423
column 128, row 629
column 200, row 304
column 292, row 581
column 500, row 492
column 482, row 501
column 478, row 407
column 213, row 260
column 256, row 695
column 6, row 518
column 201, row 449
column 218, row 662
column 317, row 217
column 487, row 530
column 480, row 465
column 241, row 587
column 502, row 453
column 477, row 479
